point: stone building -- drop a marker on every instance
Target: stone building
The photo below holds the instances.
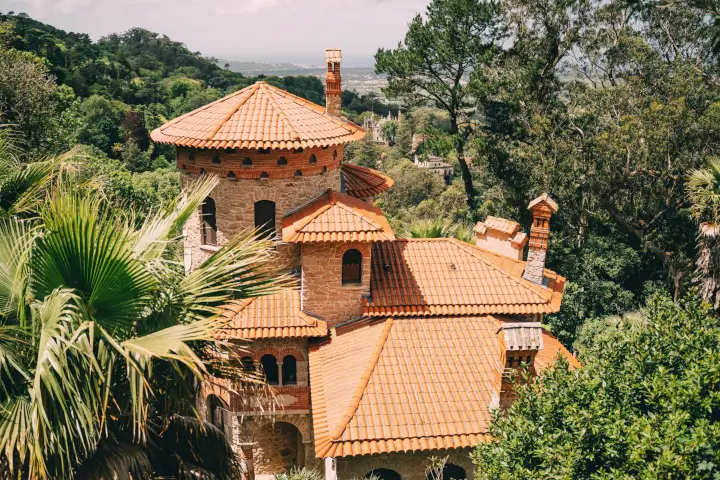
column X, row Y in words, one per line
column 389, row 351
column 438, row 166
column 373, row 126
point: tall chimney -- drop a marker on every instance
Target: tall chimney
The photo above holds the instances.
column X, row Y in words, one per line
column 333, row 89
column 542, row 209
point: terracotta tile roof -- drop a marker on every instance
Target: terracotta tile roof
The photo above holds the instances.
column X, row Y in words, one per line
column 271, row 316
column 551, row 349
column 406, row 384
column 444, row 276
column 259, row 116
column 336, row 217
column 362, row 182
column 546, row 199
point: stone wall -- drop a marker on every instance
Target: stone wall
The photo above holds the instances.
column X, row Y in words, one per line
column 323, row 292
column 410, row 466
column 235, row 212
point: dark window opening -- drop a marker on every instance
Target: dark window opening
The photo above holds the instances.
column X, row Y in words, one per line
column 282, row 161
column 299, row 150
column 184, row 167
column 229, row 150
column 383, row 474
column 265, row 218
column 449, row 472
column 289, row 370
column 216, row 159
column 247, row 162
column 191, row 156
column 324, row 169
column 270, row 367
column 209, row 222
column 264, row 151
column 313, row 159
column 264, row 175
column 352, row 267
column 202, row 171
column 231, row 175
column 298, row 173
column 334, row 154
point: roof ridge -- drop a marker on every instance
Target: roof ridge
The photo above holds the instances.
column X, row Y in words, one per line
column 307, row 220
column 364, row 381
column 251, row 91
column 281, row 113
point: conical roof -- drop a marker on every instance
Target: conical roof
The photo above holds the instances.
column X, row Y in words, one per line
column 259, row 116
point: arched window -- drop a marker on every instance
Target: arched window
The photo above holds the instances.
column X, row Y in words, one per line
column 270, row 367
column 453, row 472
column 289, row 370
column 298, row 173
column 231, row 175
column 265, row 218
column 352, row 267
column 313, row 159
column 383, row 474
column 247, row 162
column 209, row 222
column 282, row 161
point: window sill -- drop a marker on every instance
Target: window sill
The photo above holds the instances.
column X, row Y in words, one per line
column 352, row 286
column 210, row 248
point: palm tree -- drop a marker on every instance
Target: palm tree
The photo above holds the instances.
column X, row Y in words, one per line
column 703, row 191
column 437, row 228
column 103, row 340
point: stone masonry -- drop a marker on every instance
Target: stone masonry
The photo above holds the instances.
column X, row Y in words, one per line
column 410, row 466
column 323, row 292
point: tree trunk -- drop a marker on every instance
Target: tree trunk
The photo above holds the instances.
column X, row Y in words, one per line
column 464, row 169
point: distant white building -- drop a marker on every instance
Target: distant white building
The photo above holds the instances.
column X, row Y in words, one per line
column 373, row 125
column 437, row 165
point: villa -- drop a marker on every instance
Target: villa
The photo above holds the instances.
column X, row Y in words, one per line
column 391, row 350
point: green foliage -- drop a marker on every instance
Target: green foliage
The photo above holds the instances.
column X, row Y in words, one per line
column 644, row 405
column 431, row 66
column 300, row 473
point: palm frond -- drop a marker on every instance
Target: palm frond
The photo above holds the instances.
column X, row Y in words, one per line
column 234, row 271
column 16, row 240
column 22, row 190
column 91, row 252
column 151, row 240
column 116, row 460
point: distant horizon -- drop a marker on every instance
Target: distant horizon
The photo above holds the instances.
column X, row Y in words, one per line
column 262, row 31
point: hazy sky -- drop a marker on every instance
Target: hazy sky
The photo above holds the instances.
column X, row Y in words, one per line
column 257, row 30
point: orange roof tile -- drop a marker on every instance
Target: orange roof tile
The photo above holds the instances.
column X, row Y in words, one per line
column 444, row 276
column 362, row 182
column 407, row 384
column 552, row 348
column 259, row 116
column 271, row 316
column 336, row 217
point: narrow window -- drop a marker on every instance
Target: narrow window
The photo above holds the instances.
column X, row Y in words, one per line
column 265, row 218
column 231, row 175
column 202, row 171
column 313, row 159
column 324, row 169
column 298, row 173
column 289, row 370
column 216, row 159
column 209, row 222
column 264, row 175
column 247, row 162
column 334, row 154
column 270, row 367
column 282, row 161
column 191, row 156
column 352, row 267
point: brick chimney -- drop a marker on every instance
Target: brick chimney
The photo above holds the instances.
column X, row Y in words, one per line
column 542, row 209
column 333, row 80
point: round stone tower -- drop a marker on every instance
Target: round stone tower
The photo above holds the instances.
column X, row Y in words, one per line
column 274, row 152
